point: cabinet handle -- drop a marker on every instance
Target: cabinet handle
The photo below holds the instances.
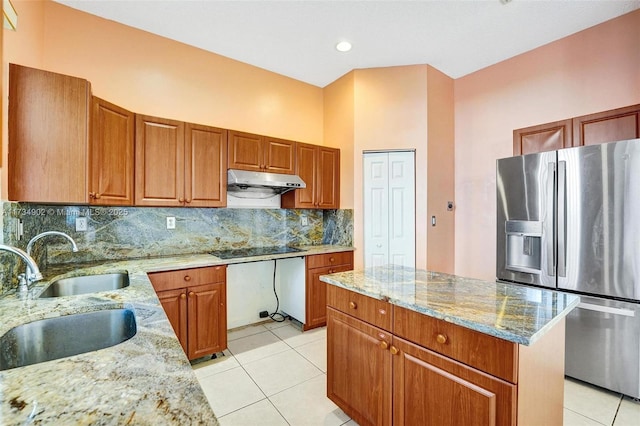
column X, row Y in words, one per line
column 441, row 338
column 92, row 195
column 394, row 350
column 181, row 200
column 183, row 296
column 187, row 200
column 332, row 259
column 353, row 305
column 187, row 278
column 384, row 345
column 191, row 294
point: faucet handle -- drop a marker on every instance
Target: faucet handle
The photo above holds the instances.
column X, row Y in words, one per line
column 23, row 287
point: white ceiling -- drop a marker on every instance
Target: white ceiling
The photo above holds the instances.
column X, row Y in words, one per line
column 298, row 38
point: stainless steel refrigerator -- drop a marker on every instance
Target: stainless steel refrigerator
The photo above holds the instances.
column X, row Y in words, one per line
column 570, row 220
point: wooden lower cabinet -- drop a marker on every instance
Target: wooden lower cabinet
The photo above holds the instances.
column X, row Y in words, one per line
column 387, row 365
column 316, row 290
column 197, row 312
column 174, row 303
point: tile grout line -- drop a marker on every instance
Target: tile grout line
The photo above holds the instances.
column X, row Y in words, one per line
column 586, row 417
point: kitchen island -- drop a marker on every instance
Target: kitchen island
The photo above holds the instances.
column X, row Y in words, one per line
column 145, row 380
column 408, row 346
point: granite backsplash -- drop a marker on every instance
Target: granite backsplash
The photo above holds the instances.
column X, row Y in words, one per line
column 138, row 232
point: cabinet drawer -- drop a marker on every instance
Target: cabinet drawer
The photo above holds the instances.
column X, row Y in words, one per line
column 495, row 356
column 187, row 277
column 329, row 259
column 373, row 311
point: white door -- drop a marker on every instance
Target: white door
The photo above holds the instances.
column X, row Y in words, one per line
column 389, row 208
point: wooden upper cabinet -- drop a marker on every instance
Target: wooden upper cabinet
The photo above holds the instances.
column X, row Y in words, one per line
column 48, row 136
column 602, row 127
column 541, row 138
column 159, row 161
column 607, row 126
column 111, row 154
column 205, row 166
column 260, row 154
column 179, row 164
column 245, row 151
column 307, row 169
column 279, row 156
column 319, row 168
column 328, row 192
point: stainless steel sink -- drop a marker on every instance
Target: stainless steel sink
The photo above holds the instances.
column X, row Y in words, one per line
column 61, row 337
column 86, row 284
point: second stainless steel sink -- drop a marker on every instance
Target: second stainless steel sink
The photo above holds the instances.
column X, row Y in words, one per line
column 86, row 284
column 61, row 337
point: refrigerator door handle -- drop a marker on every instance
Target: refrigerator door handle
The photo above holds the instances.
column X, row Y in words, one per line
column 607, row 309
column 562, row 218
column 550, row 221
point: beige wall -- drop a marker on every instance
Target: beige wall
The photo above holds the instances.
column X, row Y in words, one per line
column 339, row 131
column 157, row 76
column 404, row 107
column 594, row 70
column 440, row 164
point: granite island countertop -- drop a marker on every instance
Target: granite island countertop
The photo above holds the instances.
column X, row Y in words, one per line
column 146, row 380
column 512, row 312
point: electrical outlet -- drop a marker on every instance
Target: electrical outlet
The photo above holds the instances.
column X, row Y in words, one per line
column 171, row 222
column 81, row 224
column 304, row 221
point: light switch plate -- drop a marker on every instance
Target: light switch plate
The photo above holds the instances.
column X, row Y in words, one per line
column 304, row 221
column 81, row 224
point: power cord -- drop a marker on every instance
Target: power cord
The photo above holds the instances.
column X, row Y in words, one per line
column 281, row 318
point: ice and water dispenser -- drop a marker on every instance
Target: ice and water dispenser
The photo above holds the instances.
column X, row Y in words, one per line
column 524, row 246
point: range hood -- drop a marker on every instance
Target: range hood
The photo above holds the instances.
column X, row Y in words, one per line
column 245, row 184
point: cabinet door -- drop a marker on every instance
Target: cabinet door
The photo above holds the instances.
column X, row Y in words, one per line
column 111, row 154
column 607, row 126
column 359, row 369
column 541, row 138
column 48, row 136
column 205, row 166
column 307, row 169
column 245, row 151
column 207, row 319
column 328, row 181
column 159, row 162
column 430, row 389
column 279, row 156
column 174, row 303
column 316, row 295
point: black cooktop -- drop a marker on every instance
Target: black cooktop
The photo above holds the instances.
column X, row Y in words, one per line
column 253, row 251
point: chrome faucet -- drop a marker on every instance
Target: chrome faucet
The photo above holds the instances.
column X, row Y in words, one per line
column 29, row 273
column 74, row 247
column 33, row 272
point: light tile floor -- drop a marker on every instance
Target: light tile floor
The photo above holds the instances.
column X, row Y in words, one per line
column 274, row 374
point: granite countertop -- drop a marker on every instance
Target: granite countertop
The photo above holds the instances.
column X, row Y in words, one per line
column 145, row 380
column 512, row 312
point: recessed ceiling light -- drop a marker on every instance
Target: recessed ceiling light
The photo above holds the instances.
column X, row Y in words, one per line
column 343, row 46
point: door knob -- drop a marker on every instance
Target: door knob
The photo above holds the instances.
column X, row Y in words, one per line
column 394, row 350
column 384, row 345
column 353, row 305
column 441, row 338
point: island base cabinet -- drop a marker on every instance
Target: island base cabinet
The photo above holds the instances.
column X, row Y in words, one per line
column 359, row 369
column 429, row 388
